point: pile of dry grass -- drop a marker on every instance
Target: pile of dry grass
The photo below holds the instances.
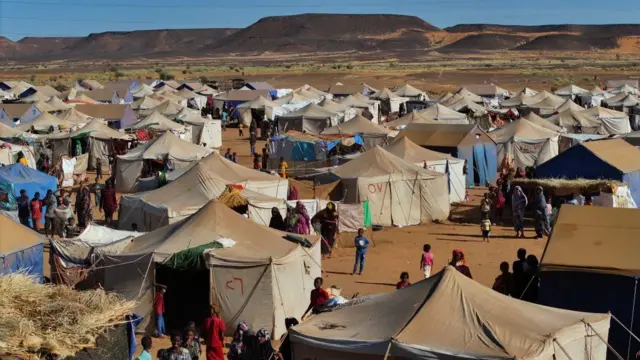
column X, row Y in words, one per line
column 40, row 319
column 233, row 198
column 570, row 185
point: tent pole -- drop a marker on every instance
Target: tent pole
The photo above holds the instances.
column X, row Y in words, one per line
column 624, row 327
column 563, row 349
column 386, row 354
column 603, row 340
column 633, row 312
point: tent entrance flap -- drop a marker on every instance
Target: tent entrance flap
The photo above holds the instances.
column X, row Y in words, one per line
column 191, row 258
column 187, row 297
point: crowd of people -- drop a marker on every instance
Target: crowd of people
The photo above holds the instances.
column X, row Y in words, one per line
column 57, row 212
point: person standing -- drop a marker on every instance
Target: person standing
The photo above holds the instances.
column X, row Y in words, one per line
column 24, row 214
column 485, row 226
column 108, row 202
column 504, row 282
column 227, row 155
column 22, row 160
column 362, row 244
column 518, row 204
column 192, row 344
column 158, row 305
column 50, row 215
column 83, row 206
column 520, row 270
column 426, row 261
column 276, row 222
column 541, row 214
column 328, row 218
column 176, row 351
column 265, row 159
column 485, row 206
column 257, row 164
column 252, row 142
column 213, row 331
column 146, row 348
column 460, row 263
column 283, row 168
column 36, row 211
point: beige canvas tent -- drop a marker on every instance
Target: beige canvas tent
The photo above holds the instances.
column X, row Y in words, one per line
column 262, row 278
column 528, row 144
column 545, row 123
column 468, row 94
column 413, row 117
column 145, row 103
column 390, row 102
column 74, row 116
column 596, row 120
column 570, row 91
column 100, row 139
column 311, row 118
column 399, row 193
column 45, row 122
column 205, row 181
column 444, row 115
column 372, row 134
column 204, row 131
column 439, row 162
column 158, row 122
column 166, row 108
column 518, row 100
column 259, row 103
column 450, row 316
column 344, row 112
column 411, row 92
column 7, row 132
column 57, row 104
column 168, row 147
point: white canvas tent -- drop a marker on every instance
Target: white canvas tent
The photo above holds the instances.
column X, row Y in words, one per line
column 389, row 100
column 570, row 91
column 413, row 117
column 450, row 316
column 344, row 112
column 205, row 181
column 518, row 100
column 442, row 163
column 411, row 92
column 45, row 122
column 158, row 122
column 261, row 279
column 528, row 144
column 74, row 116
column 167, row 147
column 596, row 120
column 204, row 131
column 399, row 193
column 468, row 94
column 362, row 102
column 356, row 125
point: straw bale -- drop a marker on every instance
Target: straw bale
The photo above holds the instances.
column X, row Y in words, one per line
column 39, row 320
column 569, row 185
column 233, row 198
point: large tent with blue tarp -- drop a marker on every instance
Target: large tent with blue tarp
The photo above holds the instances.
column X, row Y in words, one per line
column 612, row 159
column 19, row 177
column 595, row 249
column 21, row 249
column 466, row 142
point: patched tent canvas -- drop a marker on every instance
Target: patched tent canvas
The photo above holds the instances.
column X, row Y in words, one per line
column 275, row 275
column 399, row 193
column 439, row 162
column 450, row 316
column 167, row 147
column 528, row 144
column 205, row 181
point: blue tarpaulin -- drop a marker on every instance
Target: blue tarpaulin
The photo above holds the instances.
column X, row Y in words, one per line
column 132, row 323
column 29, row 260
column 19, row 177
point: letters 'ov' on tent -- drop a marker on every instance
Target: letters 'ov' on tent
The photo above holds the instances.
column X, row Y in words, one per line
column 399, row 193
column 262, row 279
column 450, row 316
column 466, row 142
column 412, row 153
column 576, row 254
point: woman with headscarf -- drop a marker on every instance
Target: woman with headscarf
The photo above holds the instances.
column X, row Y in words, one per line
column 328, row 219
column 518, row 204
column 298, row 221
column 83, row 206
column 277, row 222
column 237, row 345
column 264, row 350
column 541, row 214
column 460, row 263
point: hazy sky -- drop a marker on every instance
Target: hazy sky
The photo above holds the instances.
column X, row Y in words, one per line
column 20, row 18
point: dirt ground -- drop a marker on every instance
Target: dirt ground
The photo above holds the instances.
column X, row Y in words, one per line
column 395, row 250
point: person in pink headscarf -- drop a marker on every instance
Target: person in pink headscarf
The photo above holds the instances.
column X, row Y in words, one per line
column 298, row 221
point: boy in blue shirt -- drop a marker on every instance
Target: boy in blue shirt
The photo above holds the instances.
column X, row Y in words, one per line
column 362, row 243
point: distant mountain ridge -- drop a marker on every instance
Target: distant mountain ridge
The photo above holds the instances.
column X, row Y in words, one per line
column 323, row 33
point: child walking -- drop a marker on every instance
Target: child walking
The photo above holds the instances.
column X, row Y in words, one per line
column 362, row 243
column 485, row 226
column 426, row 262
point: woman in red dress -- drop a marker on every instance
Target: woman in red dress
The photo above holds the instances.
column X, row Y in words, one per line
column 213, row 333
